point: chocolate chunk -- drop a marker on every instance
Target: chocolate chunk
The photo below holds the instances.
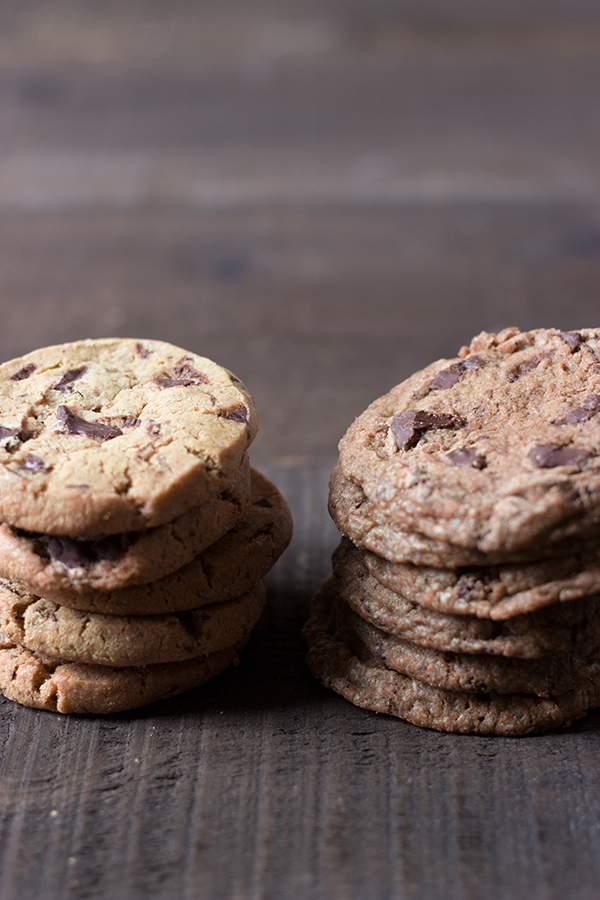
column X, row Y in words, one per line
column 266, row 504
column 33, row 463
column 142, row 351
column 591, row 406
column 473, row 362
column 526, row 367
column 74, row 424
column 75, row 553
column 237, row 414
column 467, row 456
column 166, row 381
column 184, row 370
column 407, row 427
column 68, row 551
column 6, row 432
column 68, row 378
column 572, row 339
column 23, row 373
column 547, row 456
column 447, row 377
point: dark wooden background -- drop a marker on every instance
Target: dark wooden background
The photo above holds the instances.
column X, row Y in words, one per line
column 323, row 195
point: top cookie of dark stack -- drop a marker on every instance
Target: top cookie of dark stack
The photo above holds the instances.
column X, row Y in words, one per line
column 491, row 457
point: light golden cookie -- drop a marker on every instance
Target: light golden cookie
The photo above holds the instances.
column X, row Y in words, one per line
column 106, row 436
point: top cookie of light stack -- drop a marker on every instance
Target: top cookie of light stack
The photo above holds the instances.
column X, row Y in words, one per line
column 106, row 436
column 494, row 452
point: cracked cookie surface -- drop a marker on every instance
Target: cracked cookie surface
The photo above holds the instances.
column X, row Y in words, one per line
column 495, row 451
column 105, row 436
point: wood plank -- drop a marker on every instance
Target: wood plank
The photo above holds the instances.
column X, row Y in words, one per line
column 334, row 131
column 263, row 784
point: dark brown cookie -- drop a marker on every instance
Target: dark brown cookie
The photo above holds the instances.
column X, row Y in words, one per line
column 476, row 674
column 367, row 683
column 494, row 451
column 561, row 628
column 367, row 526
column 488, row 592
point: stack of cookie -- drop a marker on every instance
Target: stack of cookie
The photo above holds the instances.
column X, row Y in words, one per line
column 465, row 594
column 134, row 536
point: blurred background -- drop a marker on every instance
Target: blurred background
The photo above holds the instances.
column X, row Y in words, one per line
column 322, row 195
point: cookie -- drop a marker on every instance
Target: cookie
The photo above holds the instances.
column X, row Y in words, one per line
column 364, row 523
column 561, row 628
column 61, row 687
column 106, row 436
column 72, row 636
column 369, row 684
column 476, row 674
column 495, row 450
column 488, row 592
column 54, row 563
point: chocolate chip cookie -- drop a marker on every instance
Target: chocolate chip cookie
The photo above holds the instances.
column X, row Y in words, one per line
column 116, row 435
column 226, row 569
column 44, row 683
column 488, row 592
column 51, row 564
column 494, row 451
column 366, row 682
column 69, row 635
column 560, row 628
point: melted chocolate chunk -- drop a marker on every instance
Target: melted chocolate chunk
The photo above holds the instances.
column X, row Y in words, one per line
column 7, row 432
column 408, row 427
column 184, row 370
column 266, row 504
column 591, row 406
column 74, row 424
column 33, row 463
column 68, row 378
column 526, row 367
column 467, row 456
column 75, row 553
column 237, row 414
column 548, row 456
column 23, row 373
column 572, row 339
column 447, row 377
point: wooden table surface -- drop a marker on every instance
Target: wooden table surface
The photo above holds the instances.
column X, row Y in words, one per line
column 322, row 196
